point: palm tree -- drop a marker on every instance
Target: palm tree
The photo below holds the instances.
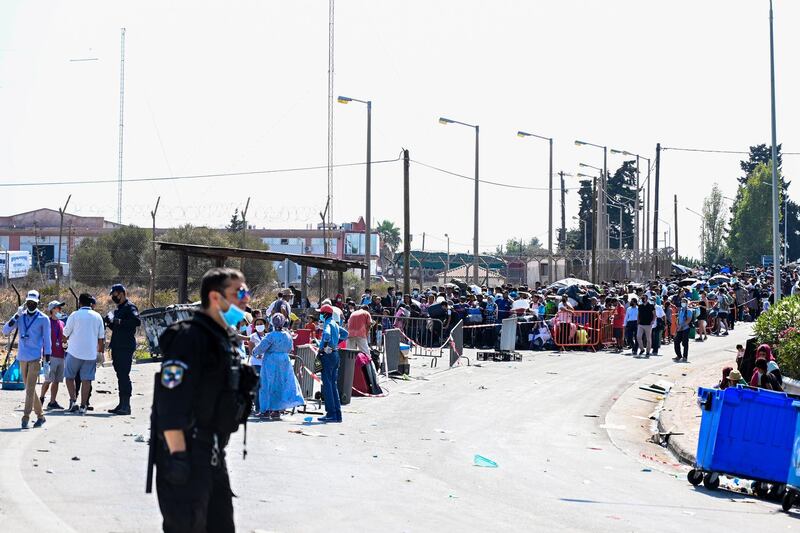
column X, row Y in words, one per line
column 390, row 240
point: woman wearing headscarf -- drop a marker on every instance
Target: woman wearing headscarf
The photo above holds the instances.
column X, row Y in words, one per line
column 279, row 389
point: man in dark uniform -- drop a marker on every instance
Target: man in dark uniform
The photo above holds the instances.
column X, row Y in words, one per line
column 202, row 394
column 123, row 323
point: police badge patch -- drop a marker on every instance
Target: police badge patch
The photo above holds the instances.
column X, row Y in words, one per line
column 172, row 373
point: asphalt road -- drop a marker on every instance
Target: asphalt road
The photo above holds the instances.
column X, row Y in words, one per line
column 399, row 463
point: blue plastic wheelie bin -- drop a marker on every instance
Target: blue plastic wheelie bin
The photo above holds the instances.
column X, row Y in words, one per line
column 746, row 433
column 792, row 494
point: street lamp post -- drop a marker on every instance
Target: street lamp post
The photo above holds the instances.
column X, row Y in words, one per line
column 599, row 201
column 447, row 268
column 776, row 266
column 368, row 209
column 443, row 120
column 550, row 197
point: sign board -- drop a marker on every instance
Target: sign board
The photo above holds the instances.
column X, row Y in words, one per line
column 16, row 264
column 766, row 261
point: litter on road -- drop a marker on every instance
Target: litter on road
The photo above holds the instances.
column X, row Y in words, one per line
column 485, row 462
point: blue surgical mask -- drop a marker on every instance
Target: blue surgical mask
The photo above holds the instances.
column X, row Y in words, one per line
column 233, row 315
column 322, row 317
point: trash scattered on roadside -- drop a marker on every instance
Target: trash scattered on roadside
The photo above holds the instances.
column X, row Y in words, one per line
column 410, row 467
column 306, row 433
column 50, row 471
column 76, row 458
column 308, row 419
column 43, row 451
column 480, row 460
column 591, row 416
column 552, row 373
column 441, row 431
column 410, row 393
column 482, row 388
column 594, row 448
column 453, row 497
column 139, row 438
column 647, row 469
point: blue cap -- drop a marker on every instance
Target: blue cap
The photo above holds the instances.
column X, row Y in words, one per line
column 119, row 287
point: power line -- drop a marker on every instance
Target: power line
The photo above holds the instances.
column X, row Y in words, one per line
column 710, row 151
column 488, row 182
column 193, row 176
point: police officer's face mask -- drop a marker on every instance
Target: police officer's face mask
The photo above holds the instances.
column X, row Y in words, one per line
column 31, row 306
column 233, row 315
column 116, row 298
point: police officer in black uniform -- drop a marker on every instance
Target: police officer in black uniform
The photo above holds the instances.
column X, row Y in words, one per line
column 123, row 323
column 202, row 394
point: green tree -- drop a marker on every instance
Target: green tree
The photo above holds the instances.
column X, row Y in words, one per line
column 750, row 234
column 575, row 236
column 237, row 222
column 621, row 191
column 759, row 154
column 129, row 247
column 390, row 241
column 168, row 261
column 713, row 228
column 258, row 273
column 519, row 247
column 92, row 264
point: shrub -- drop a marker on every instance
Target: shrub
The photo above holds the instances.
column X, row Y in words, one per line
column 778, row 328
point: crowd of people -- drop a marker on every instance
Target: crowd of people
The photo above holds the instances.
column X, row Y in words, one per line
column 69, row 348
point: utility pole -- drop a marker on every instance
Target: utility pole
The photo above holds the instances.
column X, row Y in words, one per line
column 676, row 229
column 475, row 237
column 636, row 215
column 368, row 234
column 244, row 230
column 155, row 259
column 596, row 195
column 406, row 223
column 655, row 210
column 323, row 281
column 59, row 270
column 563, row 235
column 423, row 241
column 121, row 122
column 549, row 216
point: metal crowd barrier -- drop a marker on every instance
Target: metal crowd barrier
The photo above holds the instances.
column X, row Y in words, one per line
column 158, row 319
column 573, row 329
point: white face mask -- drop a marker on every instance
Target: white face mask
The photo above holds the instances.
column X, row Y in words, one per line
column 260, row 328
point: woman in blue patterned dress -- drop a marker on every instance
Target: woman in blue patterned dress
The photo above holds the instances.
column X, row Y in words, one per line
column 279, row 387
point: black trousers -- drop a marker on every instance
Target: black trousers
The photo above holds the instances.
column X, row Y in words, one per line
column 204, row 504
column 682, row 338
column 122, row 360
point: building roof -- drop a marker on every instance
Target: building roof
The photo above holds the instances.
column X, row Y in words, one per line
column 315, row 261
column 438, row 260
column 461, row 272
column 50, row 218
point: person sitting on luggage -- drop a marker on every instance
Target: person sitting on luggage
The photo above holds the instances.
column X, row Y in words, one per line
column 763, row 379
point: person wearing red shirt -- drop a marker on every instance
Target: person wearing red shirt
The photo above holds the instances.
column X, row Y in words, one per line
column 55, row 372
column 358, row 329
column 618, row 324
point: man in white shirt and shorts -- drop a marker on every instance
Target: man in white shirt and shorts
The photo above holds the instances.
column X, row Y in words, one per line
column 86, row 333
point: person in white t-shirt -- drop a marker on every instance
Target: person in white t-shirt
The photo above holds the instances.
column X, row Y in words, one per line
column 86, row 334
column 259, row 332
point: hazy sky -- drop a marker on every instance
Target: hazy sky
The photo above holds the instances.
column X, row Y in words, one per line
column 236, row 86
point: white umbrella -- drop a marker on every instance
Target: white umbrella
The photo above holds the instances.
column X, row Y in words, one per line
column 568, row 282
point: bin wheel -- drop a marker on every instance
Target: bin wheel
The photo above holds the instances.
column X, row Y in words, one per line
column 711, row 481
column 788, row 500
column 695, row 477
column 760, row 489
